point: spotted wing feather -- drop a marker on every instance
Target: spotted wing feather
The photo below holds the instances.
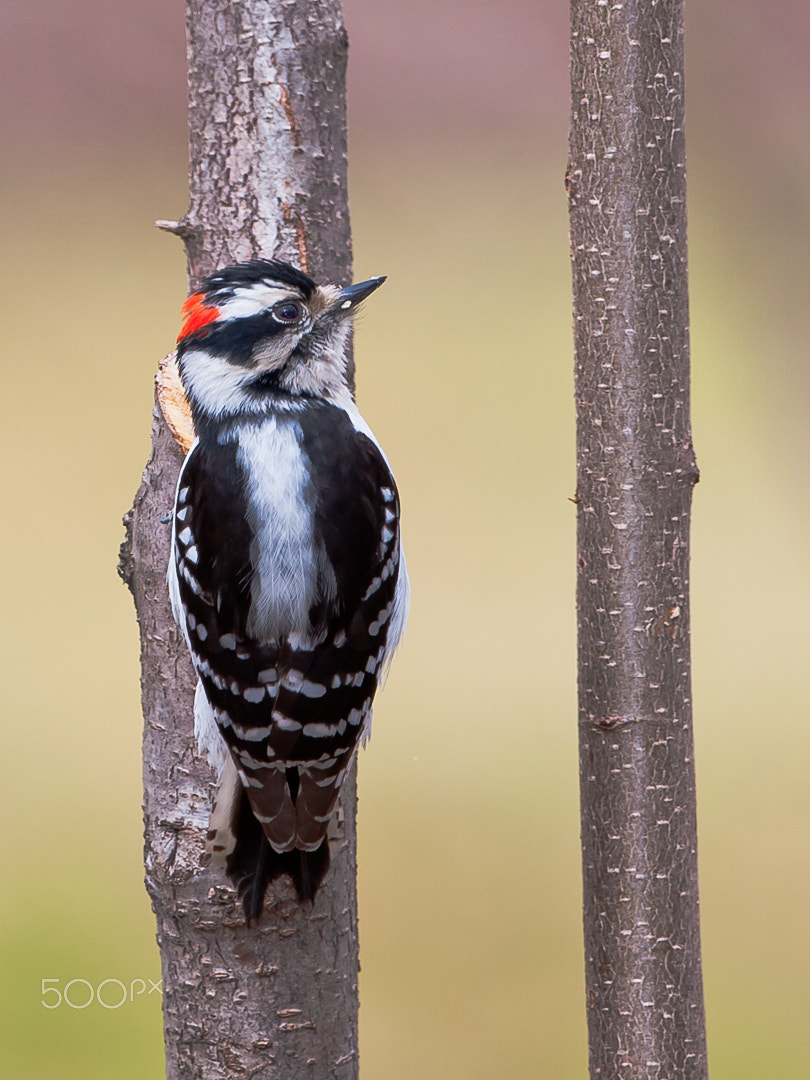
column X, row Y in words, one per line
column 291, row 709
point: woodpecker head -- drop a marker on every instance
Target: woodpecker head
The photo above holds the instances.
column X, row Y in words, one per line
column 262, row 332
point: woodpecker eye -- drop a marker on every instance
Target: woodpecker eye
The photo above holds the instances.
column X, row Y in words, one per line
column 288, row 312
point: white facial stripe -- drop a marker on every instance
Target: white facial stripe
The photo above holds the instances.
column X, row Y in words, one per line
column 212, row 381
column 254, row 299
column 221, row 388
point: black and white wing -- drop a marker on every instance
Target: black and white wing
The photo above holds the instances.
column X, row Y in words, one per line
column 291, row 591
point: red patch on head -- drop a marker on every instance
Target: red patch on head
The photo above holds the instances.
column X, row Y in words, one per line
column 196, row 314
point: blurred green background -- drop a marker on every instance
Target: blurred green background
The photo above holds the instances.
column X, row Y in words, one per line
column 469, row 855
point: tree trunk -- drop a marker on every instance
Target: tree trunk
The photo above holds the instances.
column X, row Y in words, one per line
column 635, row 474
column 267, row 178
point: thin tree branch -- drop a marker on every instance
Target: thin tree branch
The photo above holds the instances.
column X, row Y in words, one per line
column 635, row 474
column 267, row 178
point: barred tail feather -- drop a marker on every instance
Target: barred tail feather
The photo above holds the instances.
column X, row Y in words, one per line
column 253, row 864
column 308, row 869
column 222, row 827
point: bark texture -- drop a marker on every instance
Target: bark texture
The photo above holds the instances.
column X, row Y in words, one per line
column 267, row 178
column 635, row 473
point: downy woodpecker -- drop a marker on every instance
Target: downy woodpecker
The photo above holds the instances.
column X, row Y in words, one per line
column 286, row 576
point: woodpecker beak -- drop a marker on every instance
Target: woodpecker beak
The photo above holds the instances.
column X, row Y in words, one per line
column 352, row 295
